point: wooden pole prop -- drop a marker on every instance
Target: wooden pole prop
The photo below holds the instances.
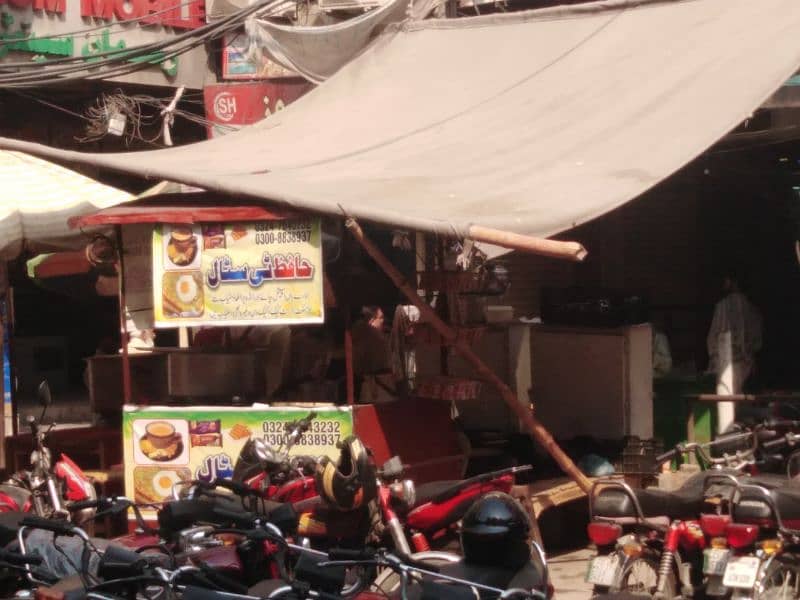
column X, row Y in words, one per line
column 123, row 322
column 534, row 427
column 515, row 241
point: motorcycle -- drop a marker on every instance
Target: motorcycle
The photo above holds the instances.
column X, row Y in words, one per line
column 415, row 519
column 46, row 489
column 760, row 552
column 666, row 544
column 272, row 471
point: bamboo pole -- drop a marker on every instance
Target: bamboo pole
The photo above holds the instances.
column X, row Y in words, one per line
column 534, row 427
column 515, row 241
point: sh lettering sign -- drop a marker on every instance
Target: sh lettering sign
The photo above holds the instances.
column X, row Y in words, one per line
column 225, row 106
column 237, row 104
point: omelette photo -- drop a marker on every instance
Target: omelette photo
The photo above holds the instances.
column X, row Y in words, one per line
column 153, row 485
column 182, row 293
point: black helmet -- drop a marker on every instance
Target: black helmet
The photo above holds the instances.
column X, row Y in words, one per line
column 350, row 483
column 495, row 532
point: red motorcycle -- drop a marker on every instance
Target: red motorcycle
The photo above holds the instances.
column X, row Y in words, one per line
column 415, row 519
column 272, row 472
column 46, row 489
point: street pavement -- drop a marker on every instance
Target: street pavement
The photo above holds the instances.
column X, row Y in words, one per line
column 567, row 572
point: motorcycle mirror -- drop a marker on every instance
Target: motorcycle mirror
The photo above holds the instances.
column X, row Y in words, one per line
column 43, row 393
column 262, row 451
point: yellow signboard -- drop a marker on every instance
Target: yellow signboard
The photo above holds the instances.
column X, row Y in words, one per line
column 264, row 273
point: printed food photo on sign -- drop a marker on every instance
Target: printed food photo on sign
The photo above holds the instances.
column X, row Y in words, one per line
column 160, row 441
column 213, row 237
column 205, row 433
column 153, row 485
column 182, row 293
column 181, row 247
column 238, row 233
column 239, row 432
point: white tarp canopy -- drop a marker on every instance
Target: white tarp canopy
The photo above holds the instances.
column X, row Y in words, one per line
column 37, row 198
column 317, row 52
column 526, row 122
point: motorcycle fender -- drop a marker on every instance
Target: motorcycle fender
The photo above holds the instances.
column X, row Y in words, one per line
column 10, row 498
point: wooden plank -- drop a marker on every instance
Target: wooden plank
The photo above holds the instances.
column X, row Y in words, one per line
column 548, row 493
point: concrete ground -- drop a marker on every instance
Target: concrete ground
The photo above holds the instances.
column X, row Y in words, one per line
column 567, row 572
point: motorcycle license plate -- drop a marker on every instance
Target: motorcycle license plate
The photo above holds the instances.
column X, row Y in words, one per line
column 714, row 561
column 603, row 570
column 741, row 572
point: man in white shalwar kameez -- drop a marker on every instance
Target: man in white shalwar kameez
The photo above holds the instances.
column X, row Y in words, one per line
column 733, row 341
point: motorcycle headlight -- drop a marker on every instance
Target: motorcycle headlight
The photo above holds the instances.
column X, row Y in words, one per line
column 405, row 492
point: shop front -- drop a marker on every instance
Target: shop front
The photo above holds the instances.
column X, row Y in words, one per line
column 249, row 293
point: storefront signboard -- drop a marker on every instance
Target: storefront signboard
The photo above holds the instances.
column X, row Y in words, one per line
column 166, row 445
column 231, row 105
column 41, row 30
column 266, row 273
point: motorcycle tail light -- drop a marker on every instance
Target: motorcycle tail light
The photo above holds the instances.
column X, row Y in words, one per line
column 770, row 547
column 603, row 534
column 714, row 525
column 741, row 536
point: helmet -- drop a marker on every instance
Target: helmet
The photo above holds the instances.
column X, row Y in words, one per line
column 351, row 482
column 495, row 531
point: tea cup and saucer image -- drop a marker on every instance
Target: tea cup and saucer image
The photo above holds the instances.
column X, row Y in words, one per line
column 182, row 246
column 160, row 440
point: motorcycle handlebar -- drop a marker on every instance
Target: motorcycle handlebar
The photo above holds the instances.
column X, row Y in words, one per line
column 56, row 526
column 411, row 562
column 301, row 426
column 667, row 456
column 83, row 504
column 240, row 519
column 784, row 440
column 348, row 554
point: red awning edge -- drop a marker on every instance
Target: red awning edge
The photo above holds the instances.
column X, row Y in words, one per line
column 132, row 214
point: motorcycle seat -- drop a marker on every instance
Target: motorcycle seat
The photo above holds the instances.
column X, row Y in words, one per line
column 433, row 490
column 264, row 588
column 530, row 576
column 753, row 507
column 9, row 526
column 684, row 503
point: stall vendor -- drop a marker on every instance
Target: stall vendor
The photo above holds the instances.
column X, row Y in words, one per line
column 371, row 359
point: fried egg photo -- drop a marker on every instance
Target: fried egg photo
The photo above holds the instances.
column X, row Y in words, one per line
column 163, row 482
column 186, row 289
